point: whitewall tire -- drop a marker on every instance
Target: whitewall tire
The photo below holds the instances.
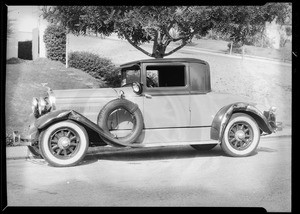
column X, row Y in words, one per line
column 241, row 136
column 64, row 144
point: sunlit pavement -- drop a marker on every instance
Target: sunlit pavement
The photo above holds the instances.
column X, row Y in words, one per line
column 169, row 176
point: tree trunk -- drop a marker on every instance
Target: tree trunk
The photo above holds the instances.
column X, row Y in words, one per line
column 159, row 52
column 231, row 47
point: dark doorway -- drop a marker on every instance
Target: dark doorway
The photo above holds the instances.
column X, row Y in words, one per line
column 25, row 50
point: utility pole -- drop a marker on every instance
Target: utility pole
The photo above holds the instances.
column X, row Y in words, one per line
column 67, row 48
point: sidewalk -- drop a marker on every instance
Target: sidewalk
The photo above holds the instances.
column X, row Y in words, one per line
column 22, row 152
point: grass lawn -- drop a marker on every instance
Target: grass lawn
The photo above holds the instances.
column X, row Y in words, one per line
column 23, row 82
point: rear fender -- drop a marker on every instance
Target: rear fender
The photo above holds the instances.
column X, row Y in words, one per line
column 56, row 116
column 224, row 114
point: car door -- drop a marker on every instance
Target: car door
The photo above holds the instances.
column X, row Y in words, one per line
column 166, row 100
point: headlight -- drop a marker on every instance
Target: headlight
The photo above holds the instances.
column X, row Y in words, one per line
column 51, row 99
column 43, row 105
column 34, row 107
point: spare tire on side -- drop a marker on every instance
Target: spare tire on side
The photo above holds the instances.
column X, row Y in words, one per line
column 134, row 112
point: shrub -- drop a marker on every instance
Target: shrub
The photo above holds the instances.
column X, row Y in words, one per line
column 14, row 60
column 9, row 140
column 25, row 50
column 96, row 66
column 55, row 41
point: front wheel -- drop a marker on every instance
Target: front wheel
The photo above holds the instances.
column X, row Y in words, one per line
column 64, row 144
column 241, row 136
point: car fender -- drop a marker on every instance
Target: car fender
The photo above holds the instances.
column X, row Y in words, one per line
column 46, row 120
column 224, row 114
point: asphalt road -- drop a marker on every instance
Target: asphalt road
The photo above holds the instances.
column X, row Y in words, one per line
column 169, row 176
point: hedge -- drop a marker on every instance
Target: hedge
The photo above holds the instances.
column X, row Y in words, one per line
column 96, row 66
column 55, row 41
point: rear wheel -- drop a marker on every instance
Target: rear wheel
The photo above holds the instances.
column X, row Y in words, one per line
column 64, row 144
column 241, row 136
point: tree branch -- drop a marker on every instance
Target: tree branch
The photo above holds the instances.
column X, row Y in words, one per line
column 134, row 45
column 176, row 49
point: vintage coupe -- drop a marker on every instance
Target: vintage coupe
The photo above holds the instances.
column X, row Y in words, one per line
column 161, row 102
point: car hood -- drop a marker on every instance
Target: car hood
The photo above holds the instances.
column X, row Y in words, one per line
column 83, row 93
column 92, row 93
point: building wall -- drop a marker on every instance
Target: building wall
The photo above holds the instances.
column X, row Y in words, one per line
column 42, row 47
column 28, row 25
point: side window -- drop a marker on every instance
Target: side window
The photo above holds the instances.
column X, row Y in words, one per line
column 165, row 76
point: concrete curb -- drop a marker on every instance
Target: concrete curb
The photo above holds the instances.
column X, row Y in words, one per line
column 22, row 152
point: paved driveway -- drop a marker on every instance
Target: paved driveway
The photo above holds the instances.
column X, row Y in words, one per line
column 173, row 176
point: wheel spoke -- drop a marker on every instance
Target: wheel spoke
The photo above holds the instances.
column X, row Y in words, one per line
column 54, row 147
column 72, row 138
column 65, row 152
column 68, row 133
column 54, row 140
column 59, row 151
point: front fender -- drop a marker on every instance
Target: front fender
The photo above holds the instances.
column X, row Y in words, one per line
column 56, row 116
column 224, row 114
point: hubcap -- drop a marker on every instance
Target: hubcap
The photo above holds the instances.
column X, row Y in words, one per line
column 240, row 135
column 64, row 143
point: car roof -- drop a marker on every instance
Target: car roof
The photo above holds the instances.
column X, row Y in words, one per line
column 163, row 60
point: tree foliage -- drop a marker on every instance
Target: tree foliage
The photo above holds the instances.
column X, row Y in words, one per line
column 137, row 24
column 241, row 22
column 162, row 25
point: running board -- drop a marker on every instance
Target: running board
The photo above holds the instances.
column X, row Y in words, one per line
column 135, row 145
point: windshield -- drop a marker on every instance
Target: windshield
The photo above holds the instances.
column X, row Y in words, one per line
column 130, row 75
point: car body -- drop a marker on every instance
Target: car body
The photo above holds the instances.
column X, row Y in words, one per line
column 161, row 102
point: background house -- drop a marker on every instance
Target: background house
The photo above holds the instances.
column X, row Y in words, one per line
column 27, row 25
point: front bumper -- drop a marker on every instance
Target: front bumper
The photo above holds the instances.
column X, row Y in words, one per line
column 278, row 126
column 271, row 118
column 32, row 135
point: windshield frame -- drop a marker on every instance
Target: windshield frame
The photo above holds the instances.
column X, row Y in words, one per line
column 124, row 75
